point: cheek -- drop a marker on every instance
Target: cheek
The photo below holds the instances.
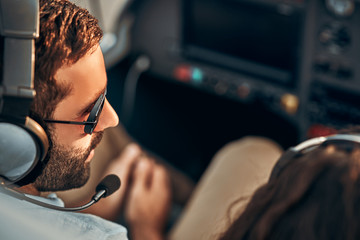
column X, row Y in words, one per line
column 72, row 136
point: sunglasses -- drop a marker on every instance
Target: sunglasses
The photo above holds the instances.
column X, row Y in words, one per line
column 91, row 122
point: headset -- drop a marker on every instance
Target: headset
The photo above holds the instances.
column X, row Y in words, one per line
column 307, row 146
column 23, row 142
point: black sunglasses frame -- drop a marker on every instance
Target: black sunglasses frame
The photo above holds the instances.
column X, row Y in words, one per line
column 91, row 122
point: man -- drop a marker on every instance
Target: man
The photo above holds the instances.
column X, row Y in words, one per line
column 71, row 83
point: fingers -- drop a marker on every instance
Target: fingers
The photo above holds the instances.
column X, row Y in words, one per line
column 149, row 199
column 130, row 155
column 124, row 163
column 143, row 173
column 150, row 182
column 160, row 178
column 122, row 166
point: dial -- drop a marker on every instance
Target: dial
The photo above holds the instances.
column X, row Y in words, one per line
column 341, row 8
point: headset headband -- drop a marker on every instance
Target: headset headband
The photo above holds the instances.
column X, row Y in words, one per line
column 19, row 27
column 307, row 146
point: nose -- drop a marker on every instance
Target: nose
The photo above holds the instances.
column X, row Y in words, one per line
column 108, row 117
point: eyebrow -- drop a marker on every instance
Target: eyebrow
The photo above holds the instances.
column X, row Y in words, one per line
column 92, row 103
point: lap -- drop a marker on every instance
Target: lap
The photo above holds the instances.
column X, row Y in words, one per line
column 235, row 172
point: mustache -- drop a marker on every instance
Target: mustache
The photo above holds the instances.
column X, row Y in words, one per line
column 94, row 141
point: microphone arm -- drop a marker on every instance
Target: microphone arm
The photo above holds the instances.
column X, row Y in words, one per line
column 106, row 187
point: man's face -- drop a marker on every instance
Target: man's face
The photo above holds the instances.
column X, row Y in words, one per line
column 72, row 150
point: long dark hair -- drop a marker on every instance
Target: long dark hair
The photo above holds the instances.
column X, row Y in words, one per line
column 317, row 196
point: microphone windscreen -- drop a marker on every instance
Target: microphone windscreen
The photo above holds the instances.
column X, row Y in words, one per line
column 110, row 184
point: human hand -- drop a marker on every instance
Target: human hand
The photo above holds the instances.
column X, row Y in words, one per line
column 148, row 203
column 122, row 166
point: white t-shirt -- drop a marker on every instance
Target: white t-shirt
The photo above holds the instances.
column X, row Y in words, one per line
column 24, row 220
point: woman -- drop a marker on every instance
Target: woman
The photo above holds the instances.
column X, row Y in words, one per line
column 315, row 196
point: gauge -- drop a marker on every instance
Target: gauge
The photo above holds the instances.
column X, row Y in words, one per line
column 341, row 8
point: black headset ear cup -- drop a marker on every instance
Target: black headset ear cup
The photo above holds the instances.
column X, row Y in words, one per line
column 21, row 147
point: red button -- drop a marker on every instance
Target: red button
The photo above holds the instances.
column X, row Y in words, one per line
column 319, row 130
column 183, row 73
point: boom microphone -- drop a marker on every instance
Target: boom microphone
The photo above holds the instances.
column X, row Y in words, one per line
column 105, row 188
column 110, row 184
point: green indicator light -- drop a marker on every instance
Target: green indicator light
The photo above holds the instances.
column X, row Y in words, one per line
column 197, row 75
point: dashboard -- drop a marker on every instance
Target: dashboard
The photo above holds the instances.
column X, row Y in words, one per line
column 296, row 60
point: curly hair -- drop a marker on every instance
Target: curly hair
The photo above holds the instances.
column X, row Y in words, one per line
column 67, row 33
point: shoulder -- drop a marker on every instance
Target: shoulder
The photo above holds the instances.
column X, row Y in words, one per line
column 90, row 226
column 40, row 223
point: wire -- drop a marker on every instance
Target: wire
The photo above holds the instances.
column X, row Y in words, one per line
column 140, row 65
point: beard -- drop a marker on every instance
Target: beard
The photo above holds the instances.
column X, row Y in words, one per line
column 66, row 168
